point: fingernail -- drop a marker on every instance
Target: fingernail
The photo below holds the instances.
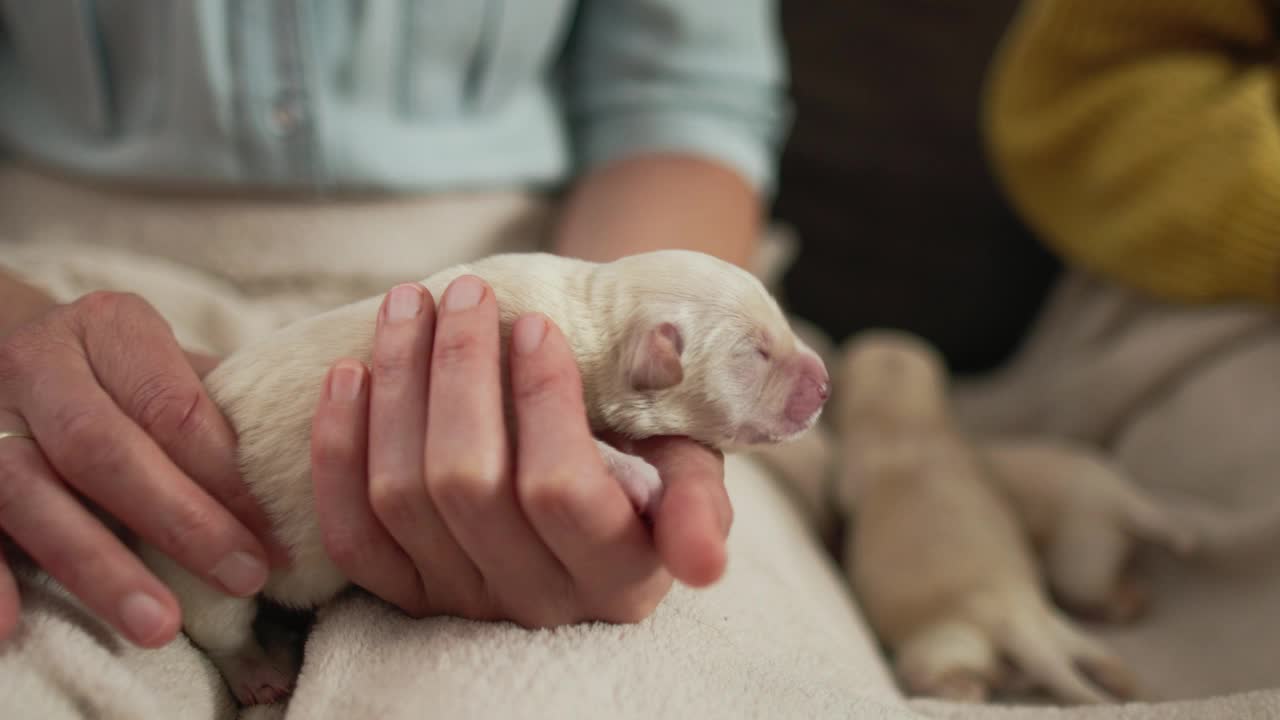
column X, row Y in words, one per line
column 346, row 382
column 464, row 293
column 143, row 615
column 241, row 573
column 527, row 335
column 405, row 302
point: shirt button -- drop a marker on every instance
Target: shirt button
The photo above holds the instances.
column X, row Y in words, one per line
column 287, row 114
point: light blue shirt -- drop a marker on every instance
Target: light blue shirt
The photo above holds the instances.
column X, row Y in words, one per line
column 388, row 94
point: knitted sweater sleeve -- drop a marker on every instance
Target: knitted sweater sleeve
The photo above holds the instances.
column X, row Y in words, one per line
column 1141, row 139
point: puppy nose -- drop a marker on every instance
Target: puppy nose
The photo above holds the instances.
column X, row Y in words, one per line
column 809, row 394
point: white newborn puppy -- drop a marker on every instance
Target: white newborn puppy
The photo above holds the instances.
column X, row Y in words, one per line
column 668, row 343
column 936, row 556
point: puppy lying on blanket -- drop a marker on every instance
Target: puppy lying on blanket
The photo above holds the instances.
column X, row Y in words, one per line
column 944, row 571
column 1087, row 518
column 667, row 343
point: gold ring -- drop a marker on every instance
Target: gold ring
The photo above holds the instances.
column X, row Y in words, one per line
column 6, row 434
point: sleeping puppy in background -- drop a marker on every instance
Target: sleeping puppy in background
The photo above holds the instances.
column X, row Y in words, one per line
column 667, row 343
column 1085, row 518
column 1088, row 517
column 936, row 556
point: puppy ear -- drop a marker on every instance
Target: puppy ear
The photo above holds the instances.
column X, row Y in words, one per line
column 655, row 361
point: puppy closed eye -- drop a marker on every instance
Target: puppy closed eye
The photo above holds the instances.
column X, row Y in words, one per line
column 750, row 364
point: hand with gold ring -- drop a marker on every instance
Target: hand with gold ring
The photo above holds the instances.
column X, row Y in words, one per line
column 97, row 400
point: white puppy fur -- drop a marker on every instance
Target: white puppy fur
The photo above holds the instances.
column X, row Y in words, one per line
column 667, row 343
column 936, row 556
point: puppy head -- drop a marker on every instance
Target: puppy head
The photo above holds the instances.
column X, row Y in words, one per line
column 706, row 352
column 891, row 374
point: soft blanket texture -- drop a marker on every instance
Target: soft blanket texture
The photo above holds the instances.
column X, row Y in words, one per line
column 779, row 637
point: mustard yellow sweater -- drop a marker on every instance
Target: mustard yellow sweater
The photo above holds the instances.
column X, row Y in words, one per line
column 1141, row 139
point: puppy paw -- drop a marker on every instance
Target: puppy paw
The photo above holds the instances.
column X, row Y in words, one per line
column 262, row 685
column 1126, row 602
column 952, row 660
column 965, row 686
column 1111, row 675
column 253, row 679
column 639, row 480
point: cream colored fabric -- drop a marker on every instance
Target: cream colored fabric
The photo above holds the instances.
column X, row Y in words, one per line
column 1187, row 399
column 1242, row 706
column 776, row 638
column 64, row 663
column 224, row 269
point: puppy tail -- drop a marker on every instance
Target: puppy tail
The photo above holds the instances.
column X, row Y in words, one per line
column 1030, row 641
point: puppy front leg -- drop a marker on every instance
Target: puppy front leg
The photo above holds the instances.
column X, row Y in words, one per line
column 222, row 626
column 639, row 480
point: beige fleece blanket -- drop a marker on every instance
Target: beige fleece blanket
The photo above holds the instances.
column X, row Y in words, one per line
column 778, row 637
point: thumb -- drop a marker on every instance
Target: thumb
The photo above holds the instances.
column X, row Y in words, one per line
column 692, row 520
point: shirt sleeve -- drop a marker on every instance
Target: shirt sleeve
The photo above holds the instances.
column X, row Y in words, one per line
column 700, row 76
column 1141, row 139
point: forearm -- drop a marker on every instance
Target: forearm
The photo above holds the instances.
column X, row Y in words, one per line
column 660, row 201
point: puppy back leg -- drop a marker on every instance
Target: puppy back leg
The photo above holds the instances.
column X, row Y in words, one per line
column 222, row 626
column 1033, row 642
column 953, row 660
column 1097, row 661
column 1086, row 564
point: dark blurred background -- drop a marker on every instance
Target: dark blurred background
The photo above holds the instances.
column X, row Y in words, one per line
column 886, row 182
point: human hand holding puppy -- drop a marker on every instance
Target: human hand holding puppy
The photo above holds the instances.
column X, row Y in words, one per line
column 107, row 409
column 487, row 488
column 110, row 355
column 434, row 507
